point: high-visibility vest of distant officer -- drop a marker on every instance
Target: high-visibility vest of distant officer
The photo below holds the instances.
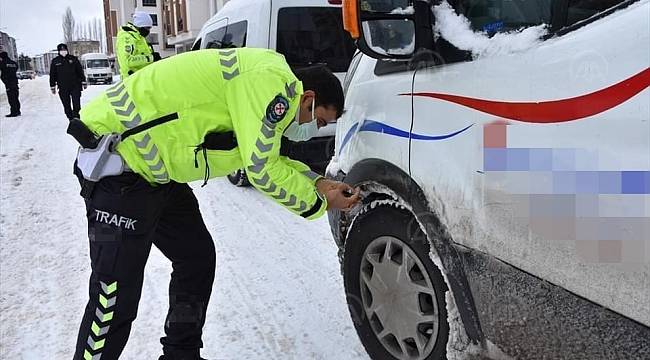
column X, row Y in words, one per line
column 133, row 50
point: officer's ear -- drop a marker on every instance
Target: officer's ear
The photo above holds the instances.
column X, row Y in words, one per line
column 305, row 106
column 306, row 100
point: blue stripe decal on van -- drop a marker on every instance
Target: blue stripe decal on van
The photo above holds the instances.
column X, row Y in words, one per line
column 348, row 136
column 379, row 127
column 375, row 126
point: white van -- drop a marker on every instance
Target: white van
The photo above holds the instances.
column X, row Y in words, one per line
column 306, row 32
column 97, row 68
column 506, row 178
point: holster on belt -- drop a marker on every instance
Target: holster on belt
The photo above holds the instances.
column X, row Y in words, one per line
column 100, row 162
column 96, row 158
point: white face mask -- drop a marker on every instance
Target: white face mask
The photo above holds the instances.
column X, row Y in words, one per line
column 63, row 53
column 302, row 132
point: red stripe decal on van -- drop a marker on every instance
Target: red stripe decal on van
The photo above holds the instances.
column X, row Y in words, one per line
column 558, row 110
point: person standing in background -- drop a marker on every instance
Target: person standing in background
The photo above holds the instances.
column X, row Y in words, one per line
column 66, row 74
column 8, row 69
column 133, row 50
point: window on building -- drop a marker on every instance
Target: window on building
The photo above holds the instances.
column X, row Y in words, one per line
column 314, row 35
column 494, row 16
column 180, row 14
column 113, row 23
column 229, row 36
column 149, row 3
column 168, row 25
column 180, row 24
column 154, row 17
column 583, row 9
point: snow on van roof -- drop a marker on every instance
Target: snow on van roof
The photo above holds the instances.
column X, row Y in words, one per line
column 458, row 31
column 409, row 10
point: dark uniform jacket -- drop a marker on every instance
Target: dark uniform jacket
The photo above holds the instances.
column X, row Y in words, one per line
column 8, row 68
column 66, row 72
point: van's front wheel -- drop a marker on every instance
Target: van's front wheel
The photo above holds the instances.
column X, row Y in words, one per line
column 396, row 295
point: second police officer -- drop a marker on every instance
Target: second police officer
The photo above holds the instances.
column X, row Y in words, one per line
column 133, row 50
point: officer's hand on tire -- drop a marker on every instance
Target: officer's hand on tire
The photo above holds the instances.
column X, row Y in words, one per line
column 53, row 89
column 339, row 195
column 84, row 86
column 156, row 56
column 324, row 185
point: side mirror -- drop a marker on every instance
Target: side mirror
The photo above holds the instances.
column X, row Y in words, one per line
column 383, row 29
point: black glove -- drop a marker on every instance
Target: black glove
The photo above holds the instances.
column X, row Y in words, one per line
column 156, row 56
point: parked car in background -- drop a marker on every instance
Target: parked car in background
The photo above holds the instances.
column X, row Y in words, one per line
column 505, row 173
column 306, row 32
column 97, row 68
column 26, row 74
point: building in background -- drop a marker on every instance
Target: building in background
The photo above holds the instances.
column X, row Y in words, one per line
column 183, row 20
column 118, row 12
column 39, row 64
column 8, row 44
column 42, row 62
column 110, row 26
column 25, row 62
column 80, row 47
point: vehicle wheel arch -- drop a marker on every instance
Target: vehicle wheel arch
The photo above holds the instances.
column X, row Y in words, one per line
column 382, row 180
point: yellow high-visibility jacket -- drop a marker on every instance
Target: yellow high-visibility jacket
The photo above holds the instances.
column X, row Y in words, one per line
column 250, row 92
column 133, row 50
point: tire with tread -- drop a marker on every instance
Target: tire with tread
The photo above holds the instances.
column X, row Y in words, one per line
column 388, row 220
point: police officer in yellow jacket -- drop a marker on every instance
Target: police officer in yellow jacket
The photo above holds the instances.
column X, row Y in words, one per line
column 194, row 116
column 133, row 50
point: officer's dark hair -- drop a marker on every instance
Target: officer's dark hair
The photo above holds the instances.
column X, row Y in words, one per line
column 325, row 84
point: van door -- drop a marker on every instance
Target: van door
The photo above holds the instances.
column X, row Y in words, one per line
column 593, row 151
column 518, row 168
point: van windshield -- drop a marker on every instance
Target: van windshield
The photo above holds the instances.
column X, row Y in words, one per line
column 314, row 35
column 97, row 63
column 505, row 15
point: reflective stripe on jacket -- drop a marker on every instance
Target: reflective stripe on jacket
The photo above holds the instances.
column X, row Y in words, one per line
column 251, row 92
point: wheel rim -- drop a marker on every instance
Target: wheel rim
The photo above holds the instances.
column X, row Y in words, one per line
column 399, row 299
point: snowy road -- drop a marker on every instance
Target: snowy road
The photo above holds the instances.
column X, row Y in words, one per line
column 278, row 293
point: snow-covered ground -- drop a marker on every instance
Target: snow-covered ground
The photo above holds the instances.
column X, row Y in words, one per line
column 278, row 293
